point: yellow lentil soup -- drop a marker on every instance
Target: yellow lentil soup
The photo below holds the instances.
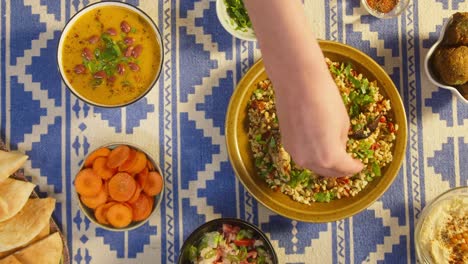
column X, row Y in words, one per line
column 110, row 56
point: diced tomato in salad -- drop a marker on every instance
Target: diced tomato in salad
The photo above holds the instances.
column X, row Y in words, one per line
column 244, row 242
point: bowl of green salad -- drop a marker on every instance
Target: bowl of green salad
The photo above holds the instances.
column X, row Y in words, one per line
column 233, row 16
column 227, row 240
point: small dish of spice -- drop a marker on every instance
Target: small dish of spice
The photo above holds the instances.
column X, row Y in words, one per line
column 385, row 8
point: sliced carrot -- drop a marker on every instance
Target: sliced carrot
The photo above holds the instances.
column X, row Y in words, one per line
column 136, row 194
column 119, row 215
column 100, row 216
column 88, row 183
column 128, row 206
column 100, row 152
column 94, row 201
column 122, row 187
column 154, row 184
column 129, row 162
column 144, row 171
column 101, row 169
column 140, row 163
column 101, row 211
column 142, row 178
column 118, row 156
column 105, row 187
column 150, row 165
column 142, row 207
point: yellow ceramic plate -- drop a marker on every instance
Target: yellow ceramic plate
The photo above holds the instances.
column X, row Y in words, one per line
column 241, row 156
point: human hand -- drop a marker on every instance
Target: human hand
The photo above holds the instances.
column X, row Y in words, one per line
column 312, row 117
column 314, row 129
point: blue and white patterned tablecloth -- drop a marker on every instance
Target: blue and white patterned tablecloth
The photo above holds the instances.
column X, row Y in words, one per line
column 181, row 121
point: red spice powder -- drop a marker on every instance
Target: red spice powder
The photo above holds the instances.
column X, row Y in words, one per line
column 383, row 6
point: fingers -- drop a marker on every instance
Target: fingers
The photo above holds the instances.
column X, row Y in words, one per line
column 342, row 165
column 347, row 166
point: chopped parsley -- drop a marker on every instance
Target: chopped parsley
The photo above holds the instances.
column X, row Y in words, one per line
column 238, row 14
column 324, row 197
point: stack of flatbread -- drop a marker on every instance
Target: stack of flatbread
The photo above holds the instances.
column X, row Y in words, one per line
column 24, row 223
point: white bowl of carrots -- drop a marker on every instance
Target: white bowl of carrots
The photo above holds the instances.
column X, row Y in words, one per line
column 119, row 186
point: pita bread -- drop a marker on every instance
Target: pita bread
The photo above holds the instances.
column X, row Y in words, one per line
column 10, row 162
column 3, row 206
column 44, row 233
column 48, row 250
column 26, row 224
column 15, row 193
column 10, row 260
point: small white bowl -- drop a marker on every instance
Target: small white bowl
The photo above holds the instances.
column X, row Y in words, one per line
column 427, row 64
column 396, row 11
column 427, row 221
column 229, row 25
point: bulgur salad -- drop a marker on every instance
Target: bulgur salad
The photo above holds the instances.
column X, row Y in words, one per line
column 371, row 138
column 231, row 245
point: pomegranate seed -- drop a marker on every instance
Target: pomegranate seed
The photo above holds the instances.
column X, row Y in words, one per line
column 133, row 66
column 137, row 51
column 391, row 127
column 80, row 68
column 125, row 27
column 111, row 79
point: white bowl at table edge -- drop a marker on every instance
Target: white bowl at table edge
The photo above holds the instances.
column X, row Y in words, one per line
column 224, row 19
column 427, row 59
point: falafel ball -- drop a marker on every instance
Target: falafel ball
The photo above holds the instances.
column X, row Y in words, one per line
column 451, row 64
column 457, row 32
column 463, row 89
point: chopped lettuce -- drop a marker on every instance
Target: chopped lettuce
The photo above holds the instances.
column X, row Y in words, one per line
column 192, row 253
column 244, row 234
column 211, row 239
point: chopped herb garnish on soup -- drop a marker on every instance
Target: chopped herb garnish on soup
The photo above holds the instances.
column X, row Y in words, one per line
column 237, row 12
column 111, row 55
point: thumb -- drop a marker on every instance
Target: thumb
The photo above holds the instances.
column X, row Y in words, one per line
column 349, row 166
